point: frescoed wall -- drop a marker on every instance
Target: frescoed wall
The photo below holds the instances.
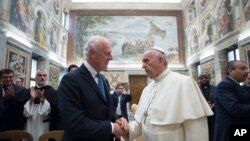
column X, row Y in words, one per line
column 132, row 35
column 33, row 26
column 20, row 11
column 214, row 21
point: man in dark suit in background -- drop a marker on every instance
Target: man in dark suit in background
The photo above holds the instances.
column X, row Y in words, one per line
column 87, row 110
column 121, row 98
column 72, row 67
column 1, row 97
column 208, row 91
column 232, row 106
column 12, row 100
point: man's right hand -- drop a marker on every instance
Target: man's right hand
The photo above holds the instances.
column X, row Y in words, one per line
column 118, row 130
column 9, row 90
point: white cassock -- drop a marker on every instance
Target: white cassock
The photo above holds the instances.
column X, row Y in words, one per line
column 171, row 108
column 36, row 115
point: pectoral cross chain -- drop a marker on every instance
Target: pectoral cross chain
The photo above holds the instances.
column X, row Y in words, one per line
column 149, row 103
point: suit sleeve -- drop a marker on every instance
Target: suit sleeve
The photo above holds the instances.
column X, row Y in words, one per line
column 229, row 98
column 73, row 115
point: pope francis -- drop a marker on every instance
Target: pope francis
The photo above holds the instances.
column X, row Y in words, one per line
column 171, row 107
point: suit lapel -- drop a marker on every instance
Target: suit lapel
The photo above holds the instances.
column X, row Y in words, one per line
column 88, row 78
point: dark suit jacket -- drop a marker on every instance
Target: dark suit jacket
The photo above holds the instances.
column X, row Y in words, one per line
column 12, row 109
column 232, row 107
column 123, row 103
column 1, row 102
column 85, row 113
column 247, row 90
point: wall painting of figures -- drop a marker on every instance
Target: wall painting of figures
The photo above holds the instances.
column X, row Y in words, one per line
column 19, row 61
column 41, row 28
column 54, row 37
column 4, row 12
column 130, row 36
column 54, row 71
column 246, row 54
column 20, row 11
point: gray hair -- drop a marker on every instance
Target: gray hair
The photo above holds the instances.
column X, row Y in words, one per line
column 92, row 43
column 41, row 70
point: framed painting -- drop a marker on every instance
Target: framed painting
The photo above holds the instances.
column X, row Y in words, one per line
column 54, row 71
column 20, row 11
column 131, row 32
column 19, row 61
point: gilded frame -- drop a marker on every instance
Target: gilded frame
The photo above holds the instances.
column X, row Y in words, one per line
column 131, row 14
column 54, row 72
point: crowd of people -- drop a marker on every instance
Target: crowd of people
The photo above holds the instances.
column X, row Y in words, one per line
column 172, row 107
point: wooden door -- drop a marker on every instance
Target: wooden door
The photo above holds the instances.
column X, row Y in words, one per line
column 137, row 84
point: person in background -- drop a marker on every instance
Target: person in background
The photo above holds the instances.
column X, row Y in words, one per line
column 121, row 98
column 208, row 91
column 232, row 106
column 171, row 107
column 19, row 81
column 246, row 85
column 1, row 98
column 41, row 108
column 13, row 98
column 199, row 81
column 87, row 108
column 72, row 67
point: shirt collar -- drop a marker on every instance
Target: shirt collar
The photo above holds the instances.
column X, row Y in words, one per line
column 162, row 75
column 91, row 69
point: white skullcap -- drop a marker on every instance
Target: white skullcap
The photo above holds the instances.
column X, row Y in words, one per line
column 158, row 49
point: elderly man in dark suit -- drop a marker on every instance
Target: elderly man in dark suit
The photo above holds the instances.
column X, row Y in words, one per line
column 84, row 101
column 232, row 105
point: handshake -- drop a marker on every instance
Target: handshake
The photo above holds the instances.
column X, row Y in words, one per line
column 121, row 127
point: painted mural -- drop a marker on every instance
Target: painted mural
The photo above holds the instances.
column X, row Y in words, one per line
column 54, row 37
column 246, row 10
column 225, row 17
column 20, row 14
column 130, row 35
column 194, row 41
column 53, row 6
column 3, row 10
column 191, row 11
column 41, row 28
column 63, row 46
column 208, row 30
